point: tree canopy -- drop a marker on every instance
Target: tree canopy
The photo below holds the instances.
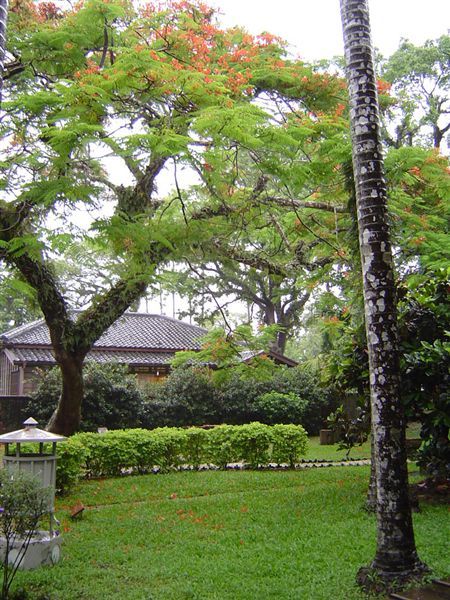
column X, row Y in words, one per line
column 100, row 101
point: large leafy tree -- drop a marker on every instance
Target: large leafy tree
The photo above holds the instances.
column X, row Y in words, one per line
column 396, row 555
column 104, row 98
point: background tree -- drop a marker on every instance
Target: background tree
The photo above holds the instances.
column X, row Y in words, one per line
column 420, row 81
column 396, row 556
column 17, row 302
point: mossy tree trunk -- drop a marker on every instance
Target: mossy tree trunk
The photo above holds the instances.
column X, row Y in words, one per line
column 396, row 556
column 67, row 415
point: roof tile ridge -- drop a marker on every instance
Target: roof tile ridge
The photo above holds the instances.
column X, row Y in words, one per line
column 137, row 349
column 167, row 318
column 21, row 329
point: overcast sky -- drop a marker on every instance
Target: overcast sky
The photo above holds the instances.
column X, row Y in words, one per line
column 313, row 27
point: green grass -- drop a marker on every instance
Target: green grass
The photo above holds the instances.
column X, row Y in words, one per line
column 234, row 535
column 315, row 450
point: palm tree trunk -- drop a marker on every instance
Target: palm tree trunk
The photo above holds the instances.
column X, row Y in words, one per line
column 396, row 557
column 3, row 21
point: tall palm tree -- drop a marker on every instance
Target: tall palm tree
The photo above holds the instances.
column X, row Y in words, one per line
column 3, row 20
column 396, row 557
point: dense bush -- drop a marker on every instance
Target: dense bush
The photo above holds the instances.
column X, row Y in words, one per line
column 196, row 444
column 275, row 407
column 141, row 450
column 289, row 443
column 72, row 458
column 187, row 397
column 246, row 400
column 111, row 397
column 253, row 443
column 320, row 401
column 238, row 397
column 222, row 449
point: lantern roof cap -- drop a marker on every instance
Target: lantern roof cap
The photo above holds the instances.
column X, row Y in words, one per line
column 30, row 433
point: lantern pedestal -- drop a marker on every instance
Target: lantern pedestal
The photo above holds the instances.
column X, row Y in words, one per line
column 42, row 550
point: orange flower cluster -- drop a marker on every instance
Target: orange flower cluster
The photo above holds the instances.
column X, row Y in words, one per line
column 92, row 67
column 339, row 110
column 267, row 39
column 48, row 11
column 415, row 171
column 383, row 87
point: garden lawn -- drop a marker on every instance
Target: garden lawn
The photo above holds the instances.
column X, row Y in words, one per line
column 233, row 535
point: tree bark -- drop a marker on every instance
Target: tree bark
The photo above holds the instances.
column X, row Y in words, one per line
column 371, row 498
column 67, row 415
column 396, row 556
column 71, row 349
column 3, row 22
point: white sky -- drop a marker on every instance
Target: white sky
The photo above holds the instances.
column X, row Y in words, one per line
column 313, row 27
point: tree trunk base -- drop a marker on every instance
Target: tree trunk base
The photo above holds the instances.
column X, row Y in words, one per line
column 63, row 424
column 374, row 580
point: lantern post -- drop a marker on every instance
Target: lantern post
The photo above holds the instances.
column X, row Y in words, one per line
column 40, row 461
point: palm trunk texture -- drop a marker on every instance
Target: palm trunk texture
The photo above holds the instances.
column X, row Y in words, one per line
column 3, row 21
column 396, row 557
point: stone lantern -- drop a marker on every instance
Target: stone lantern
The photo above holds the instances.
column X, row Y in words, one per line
column 45, row 545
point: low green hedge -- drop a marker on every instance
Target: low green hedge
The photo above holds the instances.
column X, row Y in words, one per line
column 141, row 450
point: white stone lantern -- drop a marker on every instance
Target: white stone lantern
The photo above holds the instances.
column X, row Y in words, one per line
column 45, row 545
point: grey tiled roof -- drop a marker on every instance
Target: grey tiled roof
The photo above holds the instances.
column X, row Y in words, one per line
column 132, row 330
column 33, row 355
column 137, row 358
column 136, row 339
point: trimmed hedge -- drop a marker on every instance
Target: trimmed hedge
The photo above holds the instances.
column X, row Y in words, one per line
column 141, row 451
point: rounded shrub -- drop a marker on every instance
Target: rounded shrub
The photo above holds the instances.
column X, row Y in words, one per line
column 319, row 401
column 141, row 450
column 238, row 396
column 289, row 444
column 276, row 407
column 195, row 446
column 71, row 464
column 172, row 440
column 253, row 443
column 222, row 446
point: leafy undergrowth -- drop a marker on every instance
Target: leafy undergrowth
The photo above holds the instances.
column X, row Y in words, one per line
column 235, row 535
